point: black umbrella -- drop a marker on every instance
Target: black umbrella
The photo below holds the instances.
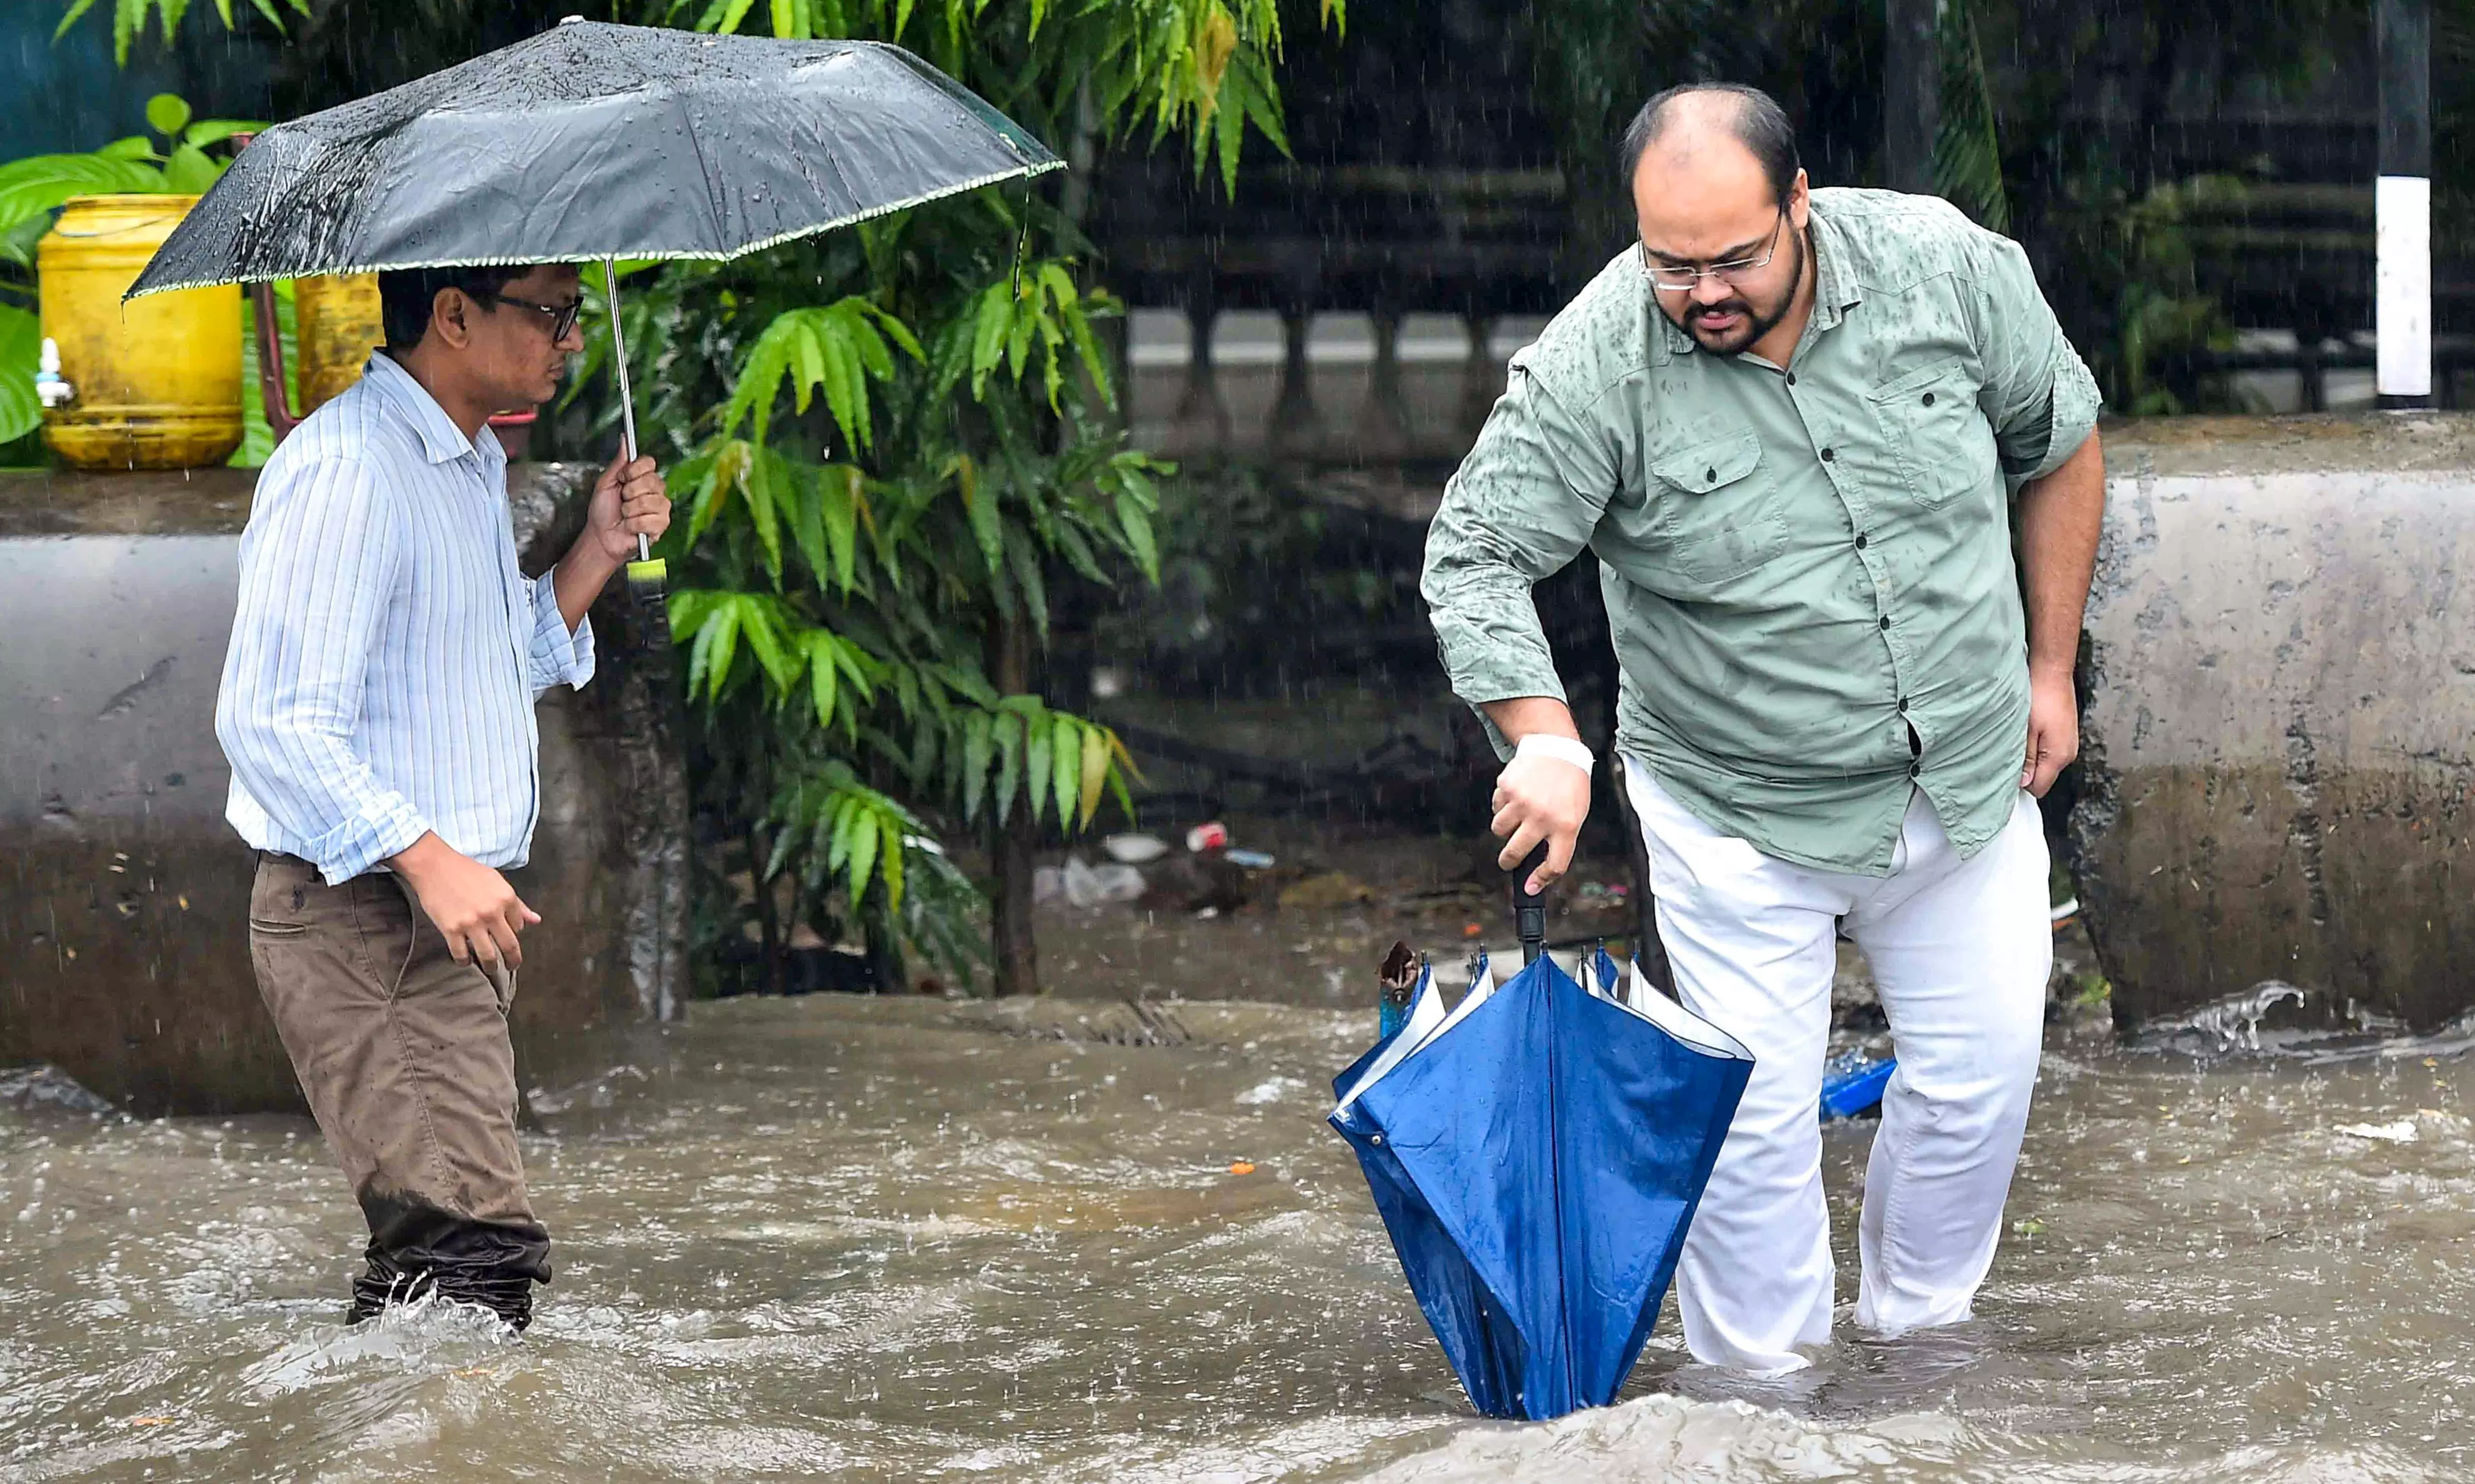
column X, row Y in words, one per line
column 597, row 142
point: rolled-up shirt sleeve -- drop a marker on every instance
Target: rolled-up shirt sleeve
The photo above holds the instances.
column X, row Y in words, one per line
column 323, row 550
column 1523, row 505
column 558, row 656
column 2038, row 392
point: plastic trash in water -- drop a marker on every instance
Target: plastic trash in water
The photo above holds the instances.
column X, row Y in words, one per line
column 2401, row 1132
column 1852, row 1084
column 1250, row 859
column 1134, row 849
column 1214, row 835
column 1095, row 886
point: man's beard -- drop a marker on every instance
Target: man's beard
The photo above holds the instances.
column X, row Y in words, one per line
column 1752, row 325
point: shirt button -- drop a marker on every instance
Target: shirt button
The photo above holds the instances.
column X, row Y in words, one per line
column 1886, row 620
column 1791, row 378
column 1860, row 541
column 1827, row 455
column 1903, row 705
column 1928, row 398
column 1915, row 769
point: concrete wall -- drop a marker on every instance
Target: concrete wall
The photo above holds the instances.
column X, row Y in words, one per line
column 2280, row 720
column 124, row 952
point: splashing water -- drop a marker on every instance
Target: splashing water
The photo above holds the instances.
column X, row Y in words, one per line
column 847, row 1239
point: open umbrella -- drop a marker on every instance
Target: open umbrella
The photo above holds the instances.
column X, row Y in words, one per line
column 1536, row 1153
column 597, row 142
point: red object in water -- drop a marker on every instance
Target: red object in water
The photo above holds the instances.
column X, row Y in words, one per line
column 514, row 431
column 1207, row 836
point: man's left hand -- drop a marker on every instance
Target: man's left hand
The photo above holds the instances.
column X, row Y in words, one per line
column 2053, row 730
column 628, row 501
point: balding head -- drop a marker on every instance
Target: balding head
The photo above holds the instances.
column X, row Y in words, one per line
column 1721, row 207
column 1687, row 122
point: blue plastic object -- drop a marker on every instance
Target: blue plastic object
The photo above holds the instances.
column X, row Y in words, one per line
column 1852, row 1084
column 1537, row 1160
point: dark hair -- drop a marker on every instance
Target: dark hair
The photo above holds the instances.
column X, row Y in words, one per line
column 1757, row 121
column 405, row 295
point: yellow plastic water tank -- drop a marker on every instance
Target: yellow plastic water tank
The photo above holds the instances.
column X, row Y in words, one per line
column 157, row 381
column 338, row 324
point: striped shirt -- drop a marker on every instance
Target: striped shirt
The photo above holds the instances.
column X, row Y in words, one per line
column 387, row 652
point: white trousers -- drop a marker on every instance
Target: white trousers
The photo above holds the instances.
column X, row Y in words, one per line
column 1962, row 951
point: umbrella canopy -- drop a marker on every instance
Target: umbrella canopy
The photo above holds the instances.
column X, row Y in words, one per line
column 597, row 141
column 1536, row 1156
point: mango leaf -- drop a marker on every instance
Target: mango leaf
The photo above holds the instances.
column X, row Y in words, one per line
column 834, row 349
column 1065, row 755
column 717, row 643
column 1044, row 742
column 978, row 738
column 21, row 344
column 840, row 496
column 890, row 859
column 825, row 676
column 980, row 504
column 760, row 625
column 1095, row 772
column 1122, row 768
column 865, row 836
column 713, row 476
column 1028, row 575
column 992, row 328
column 1010, row 739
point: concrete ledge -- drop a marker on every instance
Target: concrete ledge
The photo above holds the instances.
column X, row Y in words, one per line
column 2279, row 730
column 124, row 896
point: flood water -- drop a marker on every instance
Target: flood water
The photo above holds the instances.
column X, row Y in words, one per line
column 848, row 1239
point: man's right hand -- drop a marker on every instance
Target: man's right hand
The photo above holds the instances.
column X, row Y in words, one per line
column 1539, row 798
column 473, row 905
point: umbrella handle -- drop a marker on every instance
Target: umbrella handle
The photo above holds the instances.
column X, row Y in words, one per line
column 1530, row 908
column 648, row 576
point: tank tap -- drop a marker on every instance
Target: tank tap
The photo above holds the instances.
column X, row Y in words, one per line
column 49, row 387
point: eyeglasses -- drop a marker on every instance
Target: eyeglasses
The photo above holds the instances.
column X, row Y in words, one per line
column 562, row 317
column 1665, row 277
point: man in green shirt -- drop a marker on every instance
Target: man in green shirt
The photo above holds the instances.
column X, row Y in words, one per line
column 1796, row 427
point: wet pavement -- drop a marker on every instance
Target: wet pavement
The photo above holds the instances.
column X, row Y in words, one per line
column 865, row 1239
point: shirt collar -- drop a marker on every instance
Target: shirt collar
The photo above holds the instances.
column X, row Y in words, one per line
column 440, row 438
column 1834, row 292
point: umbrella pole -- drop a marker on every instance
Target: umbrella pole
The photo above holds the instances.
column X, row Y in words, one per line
column 648, row 575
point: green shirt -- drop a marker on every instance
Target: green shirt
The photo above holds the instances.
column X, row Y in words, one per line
column 1800, row 566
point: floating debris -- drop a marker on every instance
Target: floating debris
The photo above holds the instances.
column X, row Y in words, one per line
column 45, row 1086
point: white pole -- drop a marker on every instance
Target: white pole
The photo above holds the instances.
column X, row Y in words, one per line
column 2402, row 203
column 626, row 402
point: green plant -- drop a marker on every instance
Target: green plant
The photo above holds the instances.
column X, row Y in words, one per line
column 129, row 18
column 32, row 188
column 2160, row 317
column 891, row 444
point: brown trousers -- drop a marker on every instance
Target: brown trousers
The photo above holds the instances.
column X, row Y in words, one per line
column 404, row 1055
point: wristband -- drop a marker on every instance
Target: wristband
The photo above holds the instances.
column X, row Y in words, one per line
column 1563, row 749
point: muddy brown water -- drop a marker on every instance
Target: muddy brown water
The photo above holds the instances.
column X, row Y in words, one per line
column 848, row 1239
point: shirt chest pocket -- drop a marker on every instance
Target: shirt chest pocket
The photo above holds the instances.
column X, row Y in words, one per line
column 1721, row 516
column 1939, row 438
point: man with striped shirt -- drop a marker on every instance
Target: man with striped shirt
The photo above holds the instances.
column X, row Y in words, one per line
column 377, row 708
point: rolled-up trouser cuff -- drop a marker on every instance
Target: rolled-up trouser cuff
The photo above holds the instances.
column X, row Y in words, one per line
column 417, row 1248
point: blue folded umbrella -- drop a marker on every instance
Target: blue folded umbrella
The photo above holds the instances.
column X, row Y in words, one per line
column 1536, row 1156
